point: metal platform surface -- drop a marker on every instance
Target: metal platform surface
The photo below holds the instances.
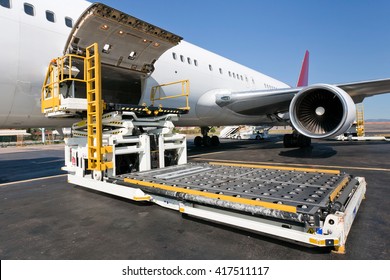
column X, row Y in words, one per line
column 295, row 190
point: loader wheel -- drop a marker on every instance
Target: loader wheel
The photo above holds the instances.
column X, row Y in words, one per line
column 97, row 175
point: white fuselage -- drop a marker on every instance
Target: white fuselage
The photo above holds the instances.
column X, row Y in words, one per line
column 30, row 42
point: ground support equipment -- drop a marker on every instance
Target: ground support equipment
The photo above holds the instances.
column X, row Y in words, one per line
column 312, row 207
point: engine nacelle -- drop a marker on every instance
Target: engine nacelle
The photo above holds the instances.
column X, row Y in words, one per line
column 322, row 111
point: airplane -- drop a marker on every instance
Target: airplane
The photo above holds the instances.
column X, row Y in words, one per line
column 137, row 55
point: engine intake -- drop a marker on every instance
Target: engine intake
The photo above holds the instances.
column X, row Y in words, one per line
column 322, row 111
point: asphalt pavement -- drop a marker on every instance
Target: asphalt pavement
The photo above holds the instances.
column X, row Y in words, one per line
column 44, row 217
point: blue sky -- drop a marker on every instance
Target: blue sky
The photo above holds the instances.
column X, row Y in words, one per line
column 348, row 40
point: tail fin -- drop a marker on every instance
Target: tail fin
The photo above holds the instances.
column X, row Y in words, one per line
column 304, row 75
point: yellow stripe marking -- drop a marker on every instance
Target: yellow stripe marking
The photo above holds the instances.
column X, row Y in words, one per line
column 292, row 164
column 270, row 205
column 204, row 154
column 322, row 242
column 32, row 180
column 338, row 189
column 317, row 242
column 328, row 171
column 142, row 198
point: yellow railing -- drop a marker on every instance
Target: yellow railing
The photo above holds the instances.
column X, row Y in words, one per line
column 157, row 94
column 58, row 72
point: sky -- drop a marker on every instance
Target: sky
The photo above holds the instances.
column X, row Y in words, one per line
column 348, row 40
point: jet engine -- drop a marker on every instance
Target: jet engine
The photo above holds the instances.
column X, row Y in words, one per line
column 322, row 111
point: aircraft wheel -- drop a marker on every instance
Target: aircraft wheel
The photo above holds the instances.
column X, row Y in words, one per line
column 303, row 141
column 198, row 141
column 308, row 142
column 288, row 141
column 206, row 141
column 215, row 141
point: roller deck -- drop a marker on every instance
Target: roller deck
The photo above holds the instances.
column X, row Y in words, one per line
column 301, row 191
column 312, row 207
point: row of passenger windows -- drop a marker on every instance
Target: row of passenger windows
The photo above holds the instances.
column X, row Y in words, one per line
column 267, row 86
column 231, row 74
column 182, row 59
column 30, row 10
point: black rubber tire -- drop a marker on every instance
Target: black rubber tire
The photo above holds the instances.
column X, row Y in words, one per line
column 198, row 141
column 288, row 141
column 215, row 141
column 303, row 141
column 206, row 141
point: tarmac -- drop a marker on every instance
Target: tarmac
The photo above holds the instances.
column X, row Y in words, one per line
column 44, row 217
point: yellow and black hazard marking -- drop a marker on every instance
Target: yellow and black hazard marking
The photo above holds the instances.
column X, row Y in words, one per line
column 311, row 231
column 143, row 110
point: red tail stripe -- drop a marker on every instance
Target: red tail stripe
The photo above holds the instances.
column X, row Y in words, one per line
column 304, row 75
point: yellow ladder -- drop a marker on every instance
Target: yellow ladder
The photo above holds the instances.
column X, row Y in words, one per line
column 360, row 120
column 96, row 150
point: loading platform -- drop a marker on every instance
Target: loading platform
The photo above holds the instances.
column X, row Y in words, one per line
column 291, row 191
column 312, row 207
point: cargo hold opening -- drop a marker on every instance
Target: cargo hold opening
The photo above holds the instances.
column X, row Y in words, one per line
column 128, row 48
column 118, row 85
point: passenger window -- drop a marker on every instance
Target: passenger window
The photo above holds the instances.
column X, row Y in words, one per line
column 189, row 60
column 50, row 16
column 195, row 62
column 69, row 22
column 5, row 3
column 210, row 67
column 182, row 58
column 230, row 74
column 29, row 9
column 174, row 56
column 220, row 71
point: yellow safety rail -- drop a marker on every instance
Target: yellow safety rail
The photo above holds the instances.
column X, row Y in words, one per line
column 96, row 150
column 59, row 71
column 360, row 119
column 157, row 93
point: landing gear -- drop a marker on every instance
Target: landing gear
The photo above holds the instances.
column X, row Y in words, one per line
column 206, row 140
column 198, row 141
column 296, row 140
column 214, row 141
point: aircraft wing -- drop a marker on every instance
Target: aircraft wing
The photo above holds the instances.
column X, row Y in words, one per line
column 316, row 111
column 360, row 90
column 260, row 102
